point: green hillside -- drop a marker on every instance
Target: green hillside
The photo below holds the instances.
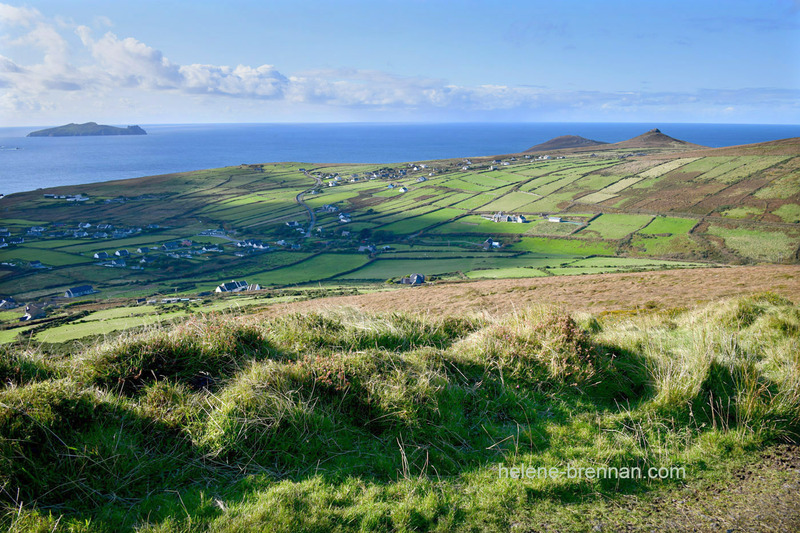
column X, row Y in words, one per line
column 343, row 421
column 712, row 205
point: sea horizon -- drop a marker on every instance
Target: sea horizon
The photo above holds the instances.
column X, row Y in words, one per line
column 29, row 163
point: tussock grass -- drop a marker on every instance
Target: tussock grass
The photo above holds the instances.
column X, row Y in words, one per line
column 341, row 420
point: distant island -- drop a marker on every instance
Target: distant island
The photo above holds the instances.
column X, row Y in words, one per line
column 90, row 128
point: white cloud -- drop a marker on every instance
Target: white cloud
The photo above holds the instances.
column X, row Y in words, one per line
column 46, row 38
column 109, row 70
column 130, row 62
column 18, row 16
column 242, row 81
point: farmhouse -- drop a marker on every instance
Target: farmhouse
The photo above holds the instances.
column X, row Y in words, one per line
column 81, row 290
column 502, row 217
column 490, row 243
column 413, row 279
column 122, row 253
column 232, row 286
column 8, row 303
column 101, row 255
column 554, row 219
column 32, row 312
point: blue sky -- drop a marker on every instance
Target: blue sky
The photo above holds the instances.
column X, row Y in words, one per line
column 147, row 62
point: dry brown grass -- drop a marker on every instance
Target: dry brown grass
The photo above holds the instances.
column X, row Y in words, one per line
column 595, row 293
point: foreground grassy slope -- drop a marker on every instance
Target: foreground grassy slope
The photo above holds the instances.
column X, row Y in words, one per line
column 350, row 421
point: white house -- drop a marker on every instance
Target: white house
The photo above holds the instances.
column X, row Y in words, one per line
column 232, row 286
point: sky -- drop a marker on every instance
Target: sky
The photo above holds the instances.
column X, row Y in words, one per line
column 200, row 61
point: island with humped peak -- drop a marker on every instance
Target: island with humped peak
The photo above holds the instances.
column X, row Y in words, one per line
column 89, row 128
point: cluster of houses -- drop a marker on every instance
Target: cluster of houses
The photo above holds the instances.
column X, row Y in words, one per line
column 335, row 179
column 84, row 230
column 255, row 244
column 506, row 217
column 68, row 197
column 35, row 311
column 32, row 311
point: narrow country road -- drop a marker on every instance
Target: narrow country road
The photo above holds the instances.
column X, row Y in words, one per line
column 299, row 200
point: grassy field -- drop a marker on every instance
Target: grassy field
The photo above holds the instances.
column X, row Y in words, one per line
column 759, row 245
column 670, row 225
column 615, row 226
column 350, row 421
column 544, row 245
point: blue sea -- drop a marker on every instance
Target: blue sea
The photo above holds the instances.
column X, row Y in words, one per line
column 39, row 162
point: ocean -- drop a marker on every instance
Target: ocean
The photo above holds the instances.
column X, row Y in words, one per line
column 40, row 162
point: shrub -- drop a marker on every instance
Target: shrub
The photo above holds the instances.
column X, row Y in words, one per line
column 197, row 353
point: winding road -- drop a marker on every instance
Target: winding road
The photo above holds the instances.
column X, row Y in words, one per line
column 299, row 200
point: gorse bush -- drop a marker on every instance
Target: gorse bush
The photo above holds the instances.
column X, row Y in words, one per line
column 326, row 420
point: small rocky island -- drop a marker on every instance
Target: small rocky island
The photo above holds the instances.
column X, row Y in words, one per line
column 90, row 128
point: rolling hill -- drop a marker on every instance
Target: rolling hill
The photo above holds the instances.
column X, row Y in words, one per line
column 564, row 142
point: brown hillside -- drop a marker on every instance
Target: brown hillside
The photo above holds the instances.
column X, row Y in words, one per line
column 564, row 142
column 654, row 139
column 595, row 293
column 789, row 146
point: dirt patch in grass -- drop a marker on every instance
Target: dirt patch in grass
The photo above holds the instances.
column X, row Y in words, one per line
column 763, row 496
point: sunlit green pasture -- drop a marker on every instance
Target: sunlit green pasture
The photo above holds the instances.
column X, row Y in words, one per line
column 670, row 225
column 615, row 226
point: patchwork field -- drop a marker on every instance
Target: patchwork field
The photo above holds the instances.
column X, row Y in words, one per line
column 186, row 233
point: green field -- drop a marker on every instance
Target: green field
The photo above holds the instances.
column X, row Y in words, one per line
column 478, row 224
column 579, row 247
column 320, row 267
column 615, row 226
column 758, row 245
column 671, row 225
column 382, row 269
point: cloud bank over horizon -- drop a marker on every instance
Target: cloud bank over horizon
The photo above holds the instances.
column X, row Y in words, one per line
column 72, row 69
